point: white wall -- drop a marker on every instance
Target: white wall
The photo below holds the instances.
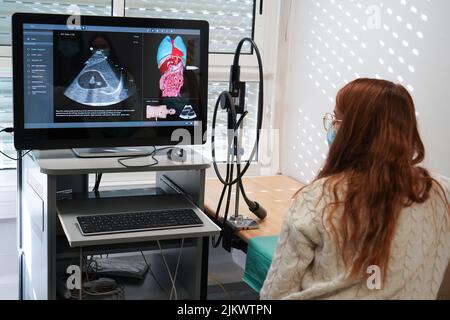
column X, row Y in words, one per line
column 329, row 42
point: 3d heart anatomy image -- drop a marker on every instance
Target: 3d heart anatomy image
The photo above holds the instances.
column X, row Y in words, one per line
column 101, row 82
column 159, row 112
column 171, row 59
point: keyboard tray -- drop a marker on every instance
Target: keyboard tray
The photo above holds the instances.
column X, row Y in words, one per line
column 138, row 221
column 70, row 209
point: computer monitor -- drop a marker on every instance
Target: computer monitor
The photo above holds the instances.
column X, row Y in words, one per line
column 108, row 81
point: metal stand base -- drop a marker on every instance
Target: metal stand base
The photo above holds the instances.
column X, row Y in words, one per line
column 110, row 152
column 242, row 223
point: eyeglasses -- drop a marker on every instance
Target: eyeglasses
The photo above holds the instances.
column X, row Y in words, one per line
column 329, row 120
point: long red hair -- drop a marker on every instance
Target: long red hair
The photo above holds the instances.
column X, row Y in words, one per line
column 375, row 155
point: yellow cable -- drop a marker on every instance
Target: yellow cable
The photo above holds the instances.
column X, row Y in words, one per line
column 221, row 285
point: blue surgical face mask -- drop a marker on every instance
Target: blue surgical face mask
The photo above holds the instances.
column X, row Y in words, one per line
column 331, row 135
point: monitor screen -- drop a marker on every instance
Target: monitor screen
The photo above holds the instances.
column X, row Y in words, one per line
column 107, row 81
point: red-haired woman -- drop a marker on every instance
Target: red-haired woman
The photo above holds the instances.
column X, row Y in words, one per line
column 374, row 224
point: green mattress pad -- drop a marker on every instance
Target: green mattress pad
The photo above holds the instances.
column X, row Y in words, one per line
column 259, row 258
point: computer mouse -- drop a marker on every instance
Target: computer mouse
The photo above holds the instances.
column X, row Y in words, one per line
column 176, row 155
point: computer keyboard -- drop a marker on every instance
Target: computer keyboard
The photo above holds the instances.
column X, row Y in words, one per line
column 138, row 221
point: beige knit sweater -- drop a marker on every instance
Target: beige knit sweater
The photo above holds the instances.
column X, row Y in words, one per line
column 306, row 264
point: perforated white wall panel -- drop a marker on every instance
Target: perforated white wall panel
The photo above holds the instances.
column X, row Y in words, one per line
column 333, row 42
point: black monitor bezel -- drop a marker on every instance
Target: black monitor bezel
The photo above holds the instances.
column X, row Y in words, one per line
column 26, row 139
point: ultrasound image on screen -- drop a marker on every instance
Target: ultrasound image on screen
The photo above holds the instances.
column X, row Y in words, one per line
column 101, row 83
column 99, row 77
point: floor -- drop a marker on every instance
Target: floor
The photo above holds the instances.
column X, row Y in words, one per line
column 8, row 250
column 9, row 265
column 225, row 276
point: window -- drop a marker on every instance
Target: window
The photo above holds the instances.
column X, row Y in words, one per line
column 87, row 7
column 249, row 135
column 229, row 21
column 6, row 140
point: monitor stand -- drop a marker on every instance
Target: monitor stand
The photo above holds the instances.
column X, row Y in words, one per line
column 110, row 152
